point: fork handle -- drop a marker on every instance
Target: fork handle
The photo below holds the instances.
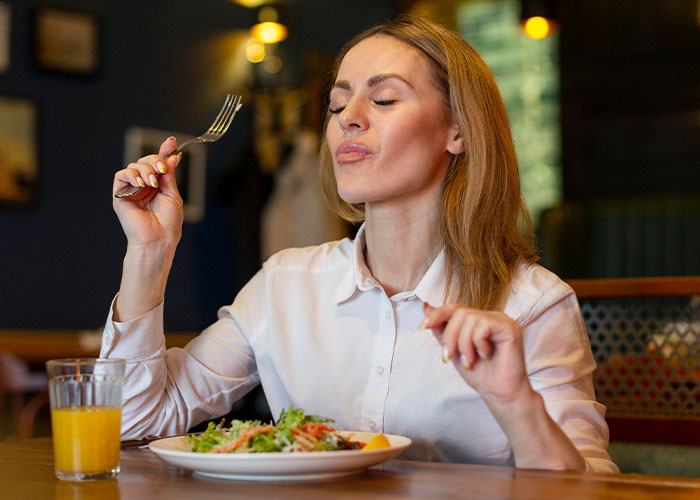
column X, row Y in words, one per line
column 129, row 191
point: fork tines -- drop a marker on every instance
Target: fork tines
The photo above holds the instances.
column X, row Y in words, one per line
column 225, row 117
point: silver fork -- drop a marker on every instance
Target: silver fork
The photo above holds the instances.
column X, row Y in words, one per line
column 215, row 132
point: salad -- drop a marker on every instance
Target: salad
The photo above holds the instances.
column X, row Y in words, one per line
column 294, row 432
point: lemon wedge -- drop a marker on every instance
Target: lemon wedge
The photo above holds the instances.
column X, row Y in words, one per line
column 378, row 441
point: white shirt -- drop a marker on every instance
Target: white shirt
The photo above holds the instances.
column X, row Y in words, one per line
column 319, row 333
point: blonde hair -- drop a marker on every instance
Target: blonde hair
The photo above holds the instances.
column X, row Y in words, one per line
column 485, row 227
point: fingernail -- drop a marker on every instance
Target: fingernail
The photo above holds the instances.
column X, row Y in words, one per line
column 154, row 181
column 179, row 157
column 480, row 353
column 463, row 360
column 171, row 138
column 140, row 181
column 424, row 324
column 444, row 354
column 162, row 167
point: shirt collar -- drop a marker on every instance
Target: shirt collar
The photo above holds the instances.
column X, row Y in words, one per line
column 430, row 289
column 357, row 272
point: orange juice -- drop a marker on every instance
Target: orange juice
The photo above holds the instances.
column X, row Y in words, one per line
column 86, row 438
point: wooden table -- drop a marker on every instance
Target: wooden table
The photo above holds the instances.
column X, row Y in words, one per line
column 38, row 346
column 26, row 471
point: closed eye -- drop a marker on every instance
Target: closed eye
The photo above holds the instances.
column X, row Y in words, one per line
column 381, row 102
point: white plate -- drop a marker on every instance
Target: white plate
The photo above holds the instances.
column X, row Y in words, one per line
column 278, row 466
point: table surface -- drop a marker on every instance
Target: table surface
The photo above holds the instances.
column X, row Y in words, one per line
column 26, row 471
column 37, row 346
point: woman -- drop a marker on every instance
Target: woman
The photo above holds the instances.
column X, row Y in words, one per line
column 418, row 147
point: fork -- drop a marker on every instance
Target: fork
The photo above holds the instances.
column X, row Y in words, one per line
column 215, row 132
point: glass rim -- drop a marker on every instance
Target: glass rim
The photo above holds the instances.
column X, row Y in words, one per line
column 85, row 361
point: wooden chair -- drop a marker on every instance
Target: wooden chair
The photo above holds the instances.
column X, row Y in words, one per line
column 28, row 393
column 645, row 336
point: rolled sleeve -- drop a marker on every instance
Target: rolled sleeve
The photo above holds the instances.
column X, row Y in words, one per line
column 560, row 366
column 139, row 338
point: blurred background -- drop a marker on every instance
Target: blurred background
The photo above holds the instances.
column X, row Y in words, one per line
column 603, row 97
column 605, row 110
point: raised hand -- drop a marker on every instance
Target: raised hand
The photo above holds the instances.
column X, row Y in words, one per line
column 485, row 346
column 154, row 215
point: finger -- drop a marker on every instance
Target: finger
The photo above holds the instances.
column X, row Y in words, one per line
column 168, row 183
column 146, row 172
column 452, row 332
column 465, row 343
column 482, row 342
column 169, row 145
column 437, row 316
column 500, row 331
column 156, row 162
column 128, row 176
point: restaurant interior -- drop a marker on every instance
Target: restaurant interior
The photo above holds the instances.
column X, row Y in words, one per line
column 604, row 102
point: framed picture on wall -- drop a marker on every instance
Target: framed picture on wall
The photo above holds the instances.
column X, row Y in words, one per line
column 66, row 40
column 19, row 152
column 4, row 36
column 190, row 173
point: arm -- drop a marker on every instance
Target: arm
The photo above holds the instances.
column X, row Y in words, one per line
column 544, row 406
column 165, row 393
column 152, row 223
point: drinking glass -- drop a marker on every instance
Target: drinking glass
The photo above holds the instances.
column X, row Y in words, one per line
column 86, row 400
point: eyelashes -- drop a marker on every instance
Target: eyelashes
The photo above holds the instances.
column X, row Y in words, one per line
column 382, row 102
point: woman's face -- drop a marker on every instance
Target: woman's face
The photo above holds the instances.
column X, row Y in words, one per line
column 390, row 131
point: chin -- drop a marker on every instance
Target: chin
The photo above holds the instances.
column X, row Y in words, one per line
column 352, row 198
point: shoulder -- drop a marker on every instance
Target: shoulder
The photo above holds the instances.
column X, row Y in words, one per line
column 535, row 289
column 318, row 258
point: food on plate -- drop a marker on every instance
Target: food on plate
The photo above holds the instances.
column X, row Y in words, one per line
column 294, row 432
column 377, row 442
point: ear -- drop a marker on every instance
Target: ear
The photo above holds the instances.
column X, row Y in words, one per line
column 455, row 144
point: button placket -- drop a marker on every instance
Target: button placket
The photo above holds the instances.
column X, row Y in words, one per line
column 378, row 386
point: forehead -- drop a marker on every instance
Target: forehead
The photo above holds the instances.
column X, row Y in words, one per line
column 384, row 54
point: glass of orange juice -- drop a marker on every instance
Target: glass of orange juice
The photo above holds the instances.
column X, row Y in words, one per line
column 86, row 401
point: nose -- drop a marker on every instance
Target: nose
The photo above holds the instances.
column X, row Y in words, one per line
column 353, row 116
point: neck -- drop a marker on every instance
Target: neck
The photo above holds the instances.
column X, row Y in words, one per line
column 402, row 242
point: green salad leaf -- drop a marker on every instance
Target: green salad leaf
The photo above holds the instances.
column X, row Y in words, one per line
column 294, row 431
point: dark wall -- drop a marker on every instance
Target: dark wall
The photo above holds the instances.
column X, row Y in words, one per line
column 161, row 68
column 630, row 90
column 630, row 101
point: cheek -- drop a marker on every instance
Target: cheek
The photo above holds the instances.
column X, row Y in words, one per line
column 412, row 136
column 333, row 134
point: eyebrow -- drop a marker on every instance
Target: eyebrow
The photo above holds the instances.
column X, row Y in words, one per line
column 373, row 81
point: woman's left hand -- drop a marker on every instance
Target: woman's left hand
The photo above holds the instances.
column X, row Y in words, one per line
column 485, row 346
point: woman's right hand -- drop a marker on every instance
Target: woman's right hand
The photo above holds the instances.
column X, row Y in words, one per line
column 152, row 217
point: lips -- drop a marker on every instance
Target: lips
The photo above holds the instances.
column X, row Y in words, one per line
column 349, row 152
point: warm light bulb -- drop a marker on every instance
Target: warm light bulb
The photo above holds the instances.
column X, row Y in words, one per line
column 537, row 27
column 269, row 32
column 254, row 51
column 250, row 3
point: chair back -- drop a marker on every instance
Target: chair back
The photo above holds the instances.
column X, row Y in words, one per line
column 645, row 337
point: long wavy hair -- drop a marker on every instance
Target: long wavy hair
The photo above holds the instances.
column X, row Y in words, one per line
column 484, row 223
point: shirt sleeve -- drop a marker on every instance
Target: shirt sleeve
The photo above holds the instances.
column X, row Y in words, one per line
column 560, row 366
column 167, row 392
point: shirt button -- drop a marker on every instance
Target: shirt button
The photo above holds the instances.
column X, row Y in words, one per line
column 372, row 425
column 388, row 315
column 380, row 370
